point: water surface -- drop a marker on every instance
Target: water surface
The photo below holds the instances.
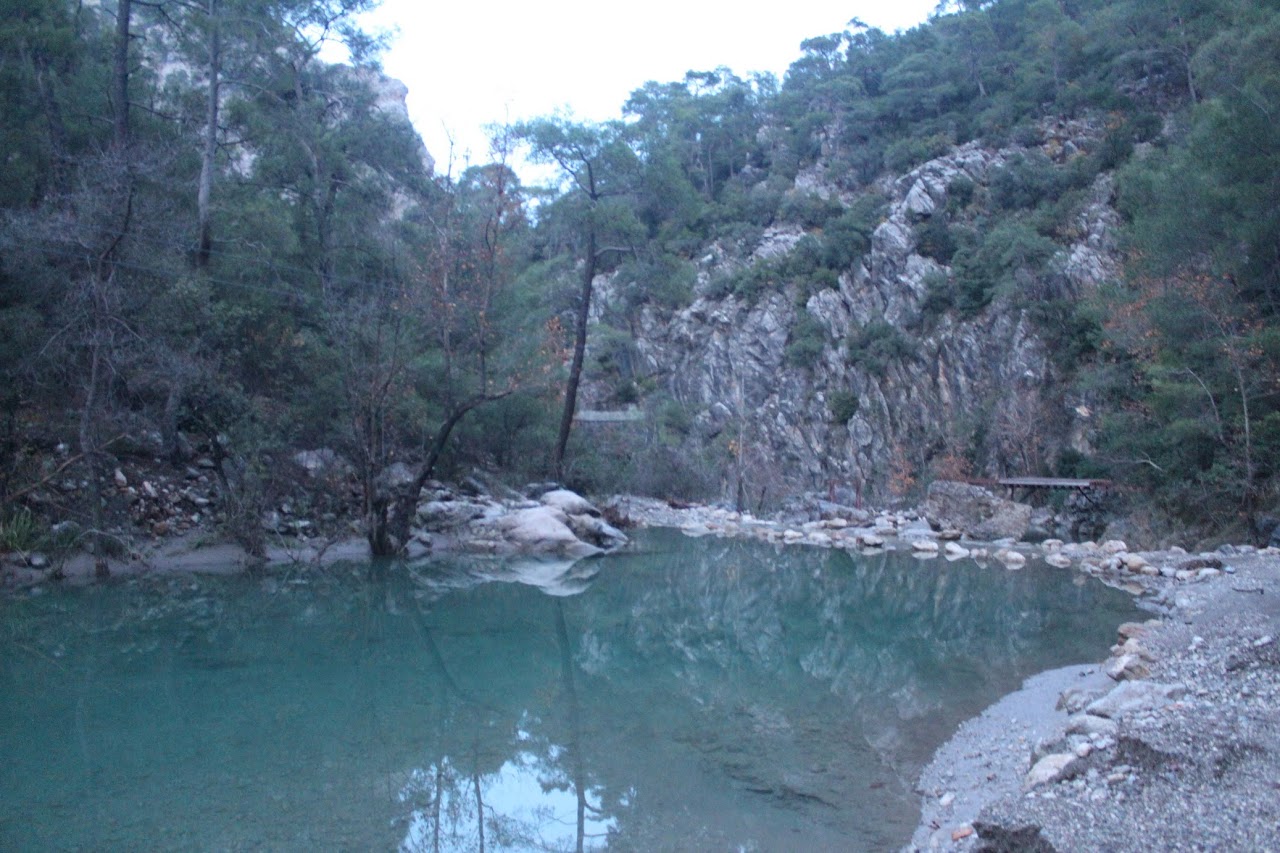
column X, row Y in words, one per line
column 695, row 694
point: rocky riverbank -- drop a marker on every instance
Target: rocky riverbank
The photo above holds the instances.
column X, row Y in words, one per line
column 1171, row 744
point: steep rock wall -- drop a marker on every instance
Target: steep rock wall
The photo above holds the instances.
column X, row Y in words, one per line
column 978, row 393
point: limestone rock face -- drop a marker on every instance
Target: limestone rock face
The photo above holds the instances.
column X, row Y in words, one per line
column 724, row 359
column 976, row 511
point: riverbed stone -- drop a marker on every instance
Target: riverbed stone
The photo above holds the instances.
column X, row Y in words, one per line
column 1012, row 559
column 596, row 531
column 1090, row 725
column 1134, row 696
column 1050, row 769
column 1128, row 667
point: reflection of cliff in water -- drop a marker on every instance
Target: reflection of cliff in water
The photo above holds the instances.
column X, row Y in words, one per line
column 697, row 694
column 801, row 679
column 886, row 638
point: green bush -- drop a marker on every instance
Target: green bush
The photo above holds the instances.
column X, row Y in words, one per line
column 1005, row 258
column 847, row 238
column 1026, row 180
column 939, row 295
column 809, row 209
column 843, row 405
column 876, row 344
column 665, row 281
column 806, row 342
column 960, row 193
column 934, row 239
column 903, row 154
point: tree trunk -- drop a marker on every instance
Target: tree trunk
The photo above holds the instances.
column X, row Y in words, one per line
column 391, row 515
column 89, row 440
column 120, row 76
column 579, row 352
column 49, row 102
column 577, row 764
column 210, row 150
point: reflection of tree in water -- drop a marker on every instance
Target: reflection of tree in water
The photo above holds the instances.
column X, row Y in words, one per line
column 509, row 796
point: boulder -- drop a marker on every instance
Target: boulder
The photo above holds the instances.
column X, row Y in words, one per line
column 1131, row 696
column 320, row 462
column 394, row 477
column 1011, row 558
column 445, row 515
column 1088, row 725
column 975, row 510
column 1050, row 769
column 543, row 530
column 596, row 531
column 570, row 503
column 1128, row 667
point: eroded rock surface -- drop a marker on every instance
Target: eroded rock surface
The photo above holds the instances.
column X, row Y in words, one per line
column 975, row 511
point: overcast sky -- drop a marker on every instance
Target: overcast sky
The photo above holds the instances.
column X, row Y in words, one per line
column 468, row 64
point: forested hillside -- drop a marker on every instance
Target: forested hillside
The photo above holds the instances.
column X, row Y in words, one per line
column 1027, row 237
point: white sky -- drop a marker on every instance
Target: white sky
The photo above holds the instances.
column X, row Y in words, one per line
column 468, row 64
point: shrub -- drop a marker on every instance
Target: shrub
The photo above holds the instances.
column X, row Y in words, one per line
column 939, row 295
column 843, row 405
column 934, row 239
column 1025, row 181
column 806, row 342
column 847, row 238
column 20, row 531
column 876, row 344
column 905, row 153
column 809, row 209
column 1004, row 259
column 665, row 281
column 960, row 193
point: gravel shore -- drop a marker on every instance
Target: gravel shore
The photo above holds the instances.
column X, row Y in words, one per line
column 1179, row 749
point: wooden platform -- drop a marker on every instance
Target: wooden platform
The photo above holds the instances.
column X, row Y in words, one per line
column 1043, row 483
column 620, row 416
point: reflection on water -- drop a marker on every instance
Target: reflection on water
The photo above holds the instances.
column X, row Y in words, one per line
column 521, row 809
column 695, row 694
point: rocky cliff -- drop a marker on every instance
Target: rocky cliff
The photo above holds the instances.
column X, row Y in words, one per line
column 892, row 389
